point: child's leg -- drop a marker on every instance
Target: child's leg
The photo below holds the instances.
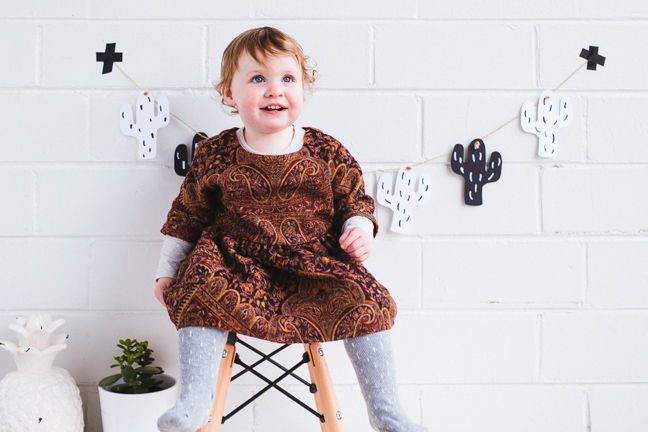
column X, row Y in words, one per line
column 372, row 359
column 201, row 350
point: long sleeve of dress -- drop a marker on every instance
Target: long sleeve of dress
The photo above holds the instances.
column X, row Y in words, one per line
column 195, row 206
column 350, row 199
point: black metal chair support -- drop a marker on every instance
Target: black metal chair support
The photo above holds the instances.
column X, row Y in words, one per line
column 272, row 383
column 328, row 411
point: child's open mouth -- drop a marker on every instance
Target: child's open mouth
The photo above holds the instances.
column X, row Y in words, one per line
column 274, row 108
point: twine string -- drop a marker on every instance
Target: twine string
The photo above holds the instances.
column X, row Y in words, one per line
column 570, row 76
column 127, row 76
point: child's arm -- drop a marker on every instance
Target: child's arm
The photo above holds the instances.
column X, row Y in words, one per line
column 195, row 206
column 174, row 251
column 192, row 210
column 353, row 207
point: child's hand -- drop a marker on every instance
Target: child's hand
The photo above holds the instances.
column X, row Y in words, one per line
column 356, row 243
column 161, row 286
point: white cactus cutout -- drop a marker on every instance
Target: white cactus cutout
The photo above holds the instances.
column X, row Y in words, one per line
column 551, row 117
column 149, row 119
column 404, row 198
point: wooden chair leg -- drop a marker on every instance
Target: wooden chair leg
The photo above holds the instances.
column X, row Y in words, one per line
column 222, row 386
column 325, row 398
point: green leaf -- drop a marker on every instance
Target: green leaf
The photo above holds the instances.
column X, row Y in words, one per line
column 109, row 380
column 128, row 372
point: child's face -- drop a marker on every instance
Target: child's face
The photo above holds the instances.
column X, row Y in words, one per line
column 269, row 99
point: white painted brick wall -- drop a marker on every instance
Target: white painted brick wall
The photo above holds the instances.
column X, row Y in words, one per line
column 18, row 42
column 598, row 199
column 488, row 273
column 527, row 313
column 622, row 143
column 603, row 347
column 18, row 187
column 463, row 348
column 618, row 274
column 44, row 126
column 449, row 56
column 363, row 139
column 618, row 409
column 511, row 409
column 112, row 201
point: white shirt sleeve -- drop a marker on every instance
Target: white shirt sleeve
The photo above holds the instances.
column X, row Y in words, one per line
column 359, row 222
column 174, row 251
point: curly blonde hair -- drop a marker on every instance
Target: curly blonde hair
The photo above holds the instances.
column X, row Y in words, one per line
column 259, row 43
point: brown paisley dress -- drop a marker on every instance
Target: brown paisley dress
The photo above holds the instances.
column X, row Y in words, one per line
column 267, row 261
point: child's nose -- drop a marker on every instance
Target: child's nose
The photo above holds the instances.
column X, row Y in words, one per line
column 274, row 89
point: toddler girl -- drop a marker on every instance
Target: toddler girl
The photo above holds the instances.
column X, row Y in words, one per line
column 267, row 236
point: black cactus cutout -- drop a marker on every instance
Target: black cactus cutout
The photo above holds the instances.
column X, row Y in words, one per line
column 182, row 158
column 475, row 171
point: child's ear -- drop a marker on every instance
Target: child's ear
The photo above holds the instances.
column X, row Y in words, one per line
column 227, row 96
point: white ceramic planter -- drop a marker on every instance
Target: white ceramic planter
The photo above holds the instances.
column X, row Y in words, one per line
column 127, row 412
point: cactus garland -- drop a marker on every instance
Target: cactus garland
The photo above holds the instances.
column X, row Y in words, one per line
column 476, row 172
column 404, row 198
column 548, row 121
column 474, row 169
column 149, row 119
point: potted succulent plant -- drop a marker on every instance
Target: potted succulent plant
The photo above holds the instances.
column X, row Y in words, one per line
column 139, row 394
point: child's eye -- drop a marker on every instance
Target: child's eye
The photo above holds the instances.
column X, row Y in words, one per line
column 257, row 79
column 288, row 78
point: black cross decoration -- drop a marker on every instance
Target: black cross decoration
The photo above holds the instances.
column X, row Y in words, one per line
column 593, row 58
column 108, row 58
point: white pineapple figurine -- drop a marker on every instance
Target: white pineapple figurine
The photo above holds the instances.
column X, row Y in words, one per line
column 38, row 396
